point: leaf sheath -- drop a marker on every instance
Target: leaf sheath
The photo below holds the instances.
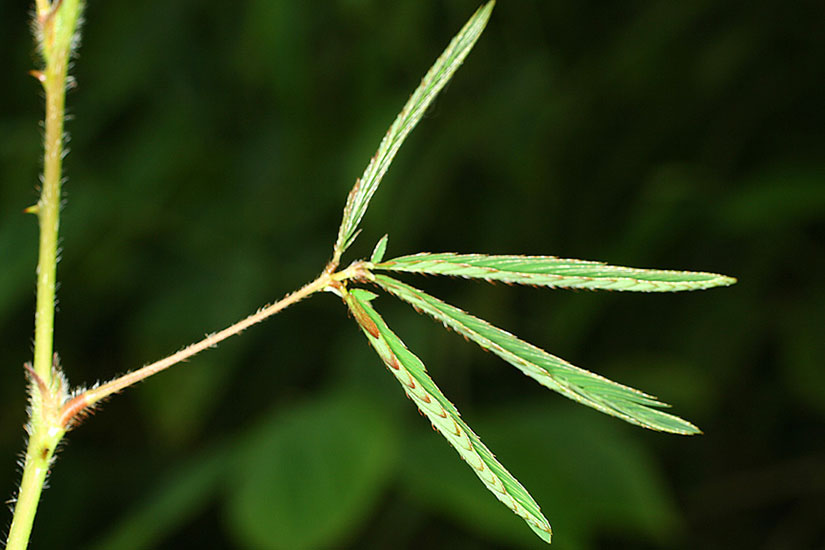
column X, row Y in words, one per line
column 420, row 388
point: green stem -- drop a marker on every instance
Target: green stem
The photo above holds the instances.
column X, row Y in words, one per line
column 41, row 447
column 48, row 212
column 55, row 31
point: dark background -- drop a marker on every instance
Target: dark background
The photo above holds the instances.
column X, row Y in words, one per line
column 213, row 145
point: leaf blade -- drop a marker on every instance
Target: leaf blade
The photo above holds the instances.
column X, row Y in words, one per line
column 443, row 415
column 555, row 272
column 434, row 80
column 580, row 385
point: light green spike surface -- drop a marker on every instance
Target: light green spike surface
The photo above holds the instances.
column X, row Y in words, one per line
column 554, row 272
column 420, row 388
column 432, row 83
column 379, row 250
column 548, row 370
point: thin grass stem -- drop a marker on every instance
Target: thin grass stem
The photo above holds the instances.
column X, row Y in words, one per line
column 43, row 433
column 95, row 395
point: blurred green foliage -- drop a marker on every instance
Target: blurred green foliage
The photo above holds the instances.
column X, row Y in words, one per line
column 212, row 148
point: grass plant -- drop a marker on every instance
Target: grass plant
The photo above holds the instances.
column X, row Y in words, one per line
column 57, row 407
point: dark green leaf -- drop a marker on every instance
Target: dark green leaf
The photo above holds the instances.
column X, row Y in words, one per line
column 310, row 476
column 175, row 500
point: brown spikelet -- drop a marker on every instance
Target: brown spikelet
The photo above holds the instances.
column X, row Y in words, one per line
column 364, row 320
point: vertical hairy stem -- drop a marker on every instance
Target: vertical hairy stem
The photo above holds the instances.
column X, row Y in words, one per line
column 55, row 26
column 48, row 213
column 42, row 442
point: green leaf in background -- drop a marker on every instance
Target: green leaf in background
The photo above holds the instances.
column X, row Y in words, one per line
column 308, row 478
column 600, row 481
column 554, row 272
column 776, row 199
column 182, row 406
column 803, row 347
column 432, row 83
column 420, row 388
column 172, row 502
column 548, row 370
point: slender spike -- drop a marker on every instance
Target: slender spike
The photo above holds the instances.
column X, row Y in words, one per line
column 550, row 271
column 432, row 83
column 380, row 250
column 445, row 418
column 548, row 370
